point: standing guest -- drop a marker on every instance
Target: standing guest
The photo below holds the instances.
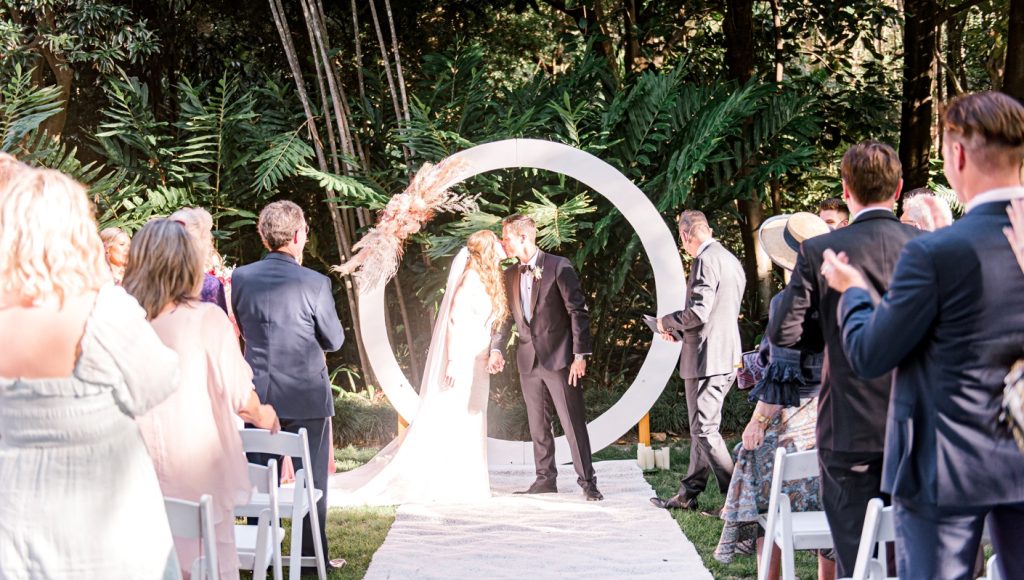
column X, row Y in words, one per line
column 926, row 211
column 192, row 436
column 287, row 317
column 851, row 407
column 78, row 494
column 199, row 224
column 710, row 355
column 955, row 296
column 835, row 213
column 116, row 243
column 785, row 416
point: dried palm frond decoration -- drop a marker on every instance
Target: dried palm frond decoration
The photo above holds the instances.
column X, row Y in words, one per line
column 378, row 254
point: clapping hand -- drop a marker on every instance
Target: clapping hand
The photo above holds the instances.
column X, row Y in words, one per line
column 1015, row 233
column 496, row 362
column 840, row 275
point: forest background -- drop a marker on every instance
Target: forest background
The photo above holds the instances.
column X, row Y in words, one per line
column 739, row 108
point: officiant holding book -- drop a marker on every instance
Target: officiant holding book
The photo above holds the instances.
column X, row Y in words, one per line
column 710, row 355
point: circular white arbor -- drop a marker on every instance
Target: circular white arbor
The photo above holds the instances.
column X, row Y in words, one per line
column 658, row 242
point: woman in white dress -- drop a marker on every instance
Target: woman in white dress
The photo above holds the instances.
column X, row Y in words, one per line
column 78, row 494
column 442, row 456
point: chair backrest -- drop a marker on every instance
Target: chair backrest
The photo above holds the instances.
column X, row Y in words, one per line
column 194, row 520
column 787, row 467
column 281, row 443
column 264, row 480
column 879, row 528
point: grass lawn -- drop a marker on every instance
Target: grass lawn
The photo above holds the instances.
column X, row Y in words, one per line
column 356, row 533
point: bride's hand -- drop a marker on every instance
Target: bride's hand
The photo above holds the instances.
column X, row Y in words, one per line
column 449, row 376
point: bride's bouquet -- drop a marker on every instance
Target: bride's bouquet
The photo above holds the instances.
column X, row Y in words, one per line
column 378, row 254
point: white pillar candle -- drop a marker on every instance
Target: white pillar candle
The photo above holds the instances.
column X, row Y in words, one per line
column 649, row 458
column 658, row 461
column 640, row 455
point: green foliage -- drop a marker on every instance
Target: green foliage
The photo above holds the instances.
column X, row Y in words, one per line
column 24, row 106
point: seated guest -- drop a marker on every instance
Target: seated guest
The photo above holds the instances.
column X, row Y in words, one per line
column 78, row 362
column 199, row 224
column 192, row 436
column 835, row 213
column 785, row 416
column 115, row 246
column 956, row 295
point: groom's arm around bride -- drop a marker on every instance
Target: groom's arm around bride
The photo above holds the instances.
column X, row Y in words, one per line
column 549, row 310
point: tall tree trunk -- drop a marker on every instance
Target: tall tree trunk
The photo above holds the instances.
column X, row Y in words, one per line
column 916, row 114
column 341, row 236
column 739, row 58
column 398, row 62
column 630, row 37
column 359, row 50
column 1013, row 74
column 956, row 76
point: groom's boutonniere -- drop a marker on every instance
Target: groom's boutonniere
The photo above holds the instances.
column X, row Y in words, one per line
column 538, row 272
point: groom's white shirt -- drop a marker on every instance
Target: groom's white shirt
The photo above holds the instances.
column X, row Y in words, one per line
column 526, row 286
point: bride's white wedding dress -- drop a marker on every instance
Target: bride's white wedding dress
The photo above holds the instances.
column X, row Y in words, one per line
column 442, row 456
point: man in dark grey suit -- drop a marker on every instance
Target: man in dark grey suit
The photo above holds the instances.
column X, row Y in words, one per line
column 956, row 295
column 710, row 355
column 550, row 313
column 287, row 317
column 851, row 407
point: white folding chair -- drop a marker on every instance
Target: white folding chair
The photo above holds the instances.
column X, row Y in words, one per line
column 194, row 521
column 296, row 501
column 787, row 529
column 878, row 530
column 259, row 546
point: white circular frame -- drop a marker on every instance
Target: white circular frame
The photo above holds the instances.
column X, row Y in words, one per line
column 669, row 280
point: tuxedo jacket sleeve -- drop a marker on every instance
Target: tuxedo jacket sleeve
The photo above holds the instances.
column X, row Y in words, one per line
column 329, row 332
column 575, row 304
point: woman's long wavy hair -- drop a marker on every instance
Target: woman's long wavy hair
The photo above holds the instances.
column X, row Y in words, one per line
column 484, row 258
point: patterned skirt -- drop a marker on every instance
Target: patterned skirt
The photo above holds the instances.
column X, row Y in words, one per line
column 747, row 498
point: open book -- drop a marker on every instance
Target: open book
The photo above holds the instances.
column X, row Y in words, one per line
column 652, row 322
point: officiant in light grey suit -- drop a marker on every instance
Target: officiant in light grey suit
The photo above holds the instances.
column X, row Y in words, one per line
column 710, row 355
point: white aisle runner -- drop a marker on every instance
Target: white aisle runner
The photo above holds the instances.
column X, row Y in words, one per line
column 542, row 536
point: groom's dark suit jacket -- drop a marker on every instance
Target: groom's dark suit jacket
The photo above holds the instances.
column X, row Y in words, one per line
column 560, row 325
column 956, row 295
column 288, row 319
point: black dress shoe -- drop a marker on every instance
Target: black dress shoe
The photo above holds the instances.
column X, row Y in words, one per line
column 539, row 487
column 676, row 502
column 592, row 494
column 716, row 513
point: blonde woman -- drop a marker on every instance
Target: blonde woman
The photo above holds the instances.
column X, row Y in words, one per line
column 192, row 436
column 442, row 456
column 79, row 497
column 116, row 243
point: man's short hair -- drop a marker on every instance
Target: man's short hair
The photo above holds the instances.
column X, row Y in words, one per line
column 520, row 224
column 990, row 125
column 834, row 204
column 871, row 170
column 279, row 222
column 692, row 222
column 907, row 195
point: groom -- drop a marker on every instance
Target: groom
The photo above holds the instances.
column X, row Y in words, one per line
column 547, row 305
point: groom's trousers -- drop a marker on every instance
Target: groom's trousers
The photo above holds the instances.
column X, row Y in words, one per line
column 544, row 390
column 708, row 451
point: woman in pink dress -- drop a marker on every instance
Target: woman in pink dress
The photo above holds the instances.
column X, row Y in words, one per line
column 192, row 436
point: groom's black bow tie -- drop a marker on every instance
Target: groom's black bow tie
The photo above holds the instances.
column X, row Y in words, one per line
column 526, row 268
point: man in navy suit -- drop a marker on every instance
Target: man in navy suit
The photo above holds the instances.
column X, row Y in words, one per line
column 287, row 317
column 956, row 296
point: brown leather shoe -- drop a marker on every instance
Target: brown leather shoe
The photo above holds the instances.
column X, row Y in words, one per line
column 539, row 487
column 676, row 502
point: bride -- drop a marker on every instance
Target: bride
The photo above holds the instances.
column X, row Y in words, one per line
column 442, row 456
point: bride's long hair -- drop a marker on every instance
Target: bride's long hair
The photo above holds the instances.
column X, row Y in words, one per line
column 487, row 262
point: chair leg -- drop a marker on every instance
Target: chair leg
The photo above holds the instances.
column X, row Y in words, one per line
column 314, row 525
column 295, row 555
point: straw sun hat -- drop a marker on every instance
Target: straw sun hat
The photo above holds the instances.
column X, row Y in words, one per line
column 782, row 235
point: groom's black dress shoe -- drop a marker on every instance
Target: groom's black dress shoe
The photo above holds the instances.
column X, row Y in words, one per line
column 539, row 487
column 676, row 502
column 592, row 494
